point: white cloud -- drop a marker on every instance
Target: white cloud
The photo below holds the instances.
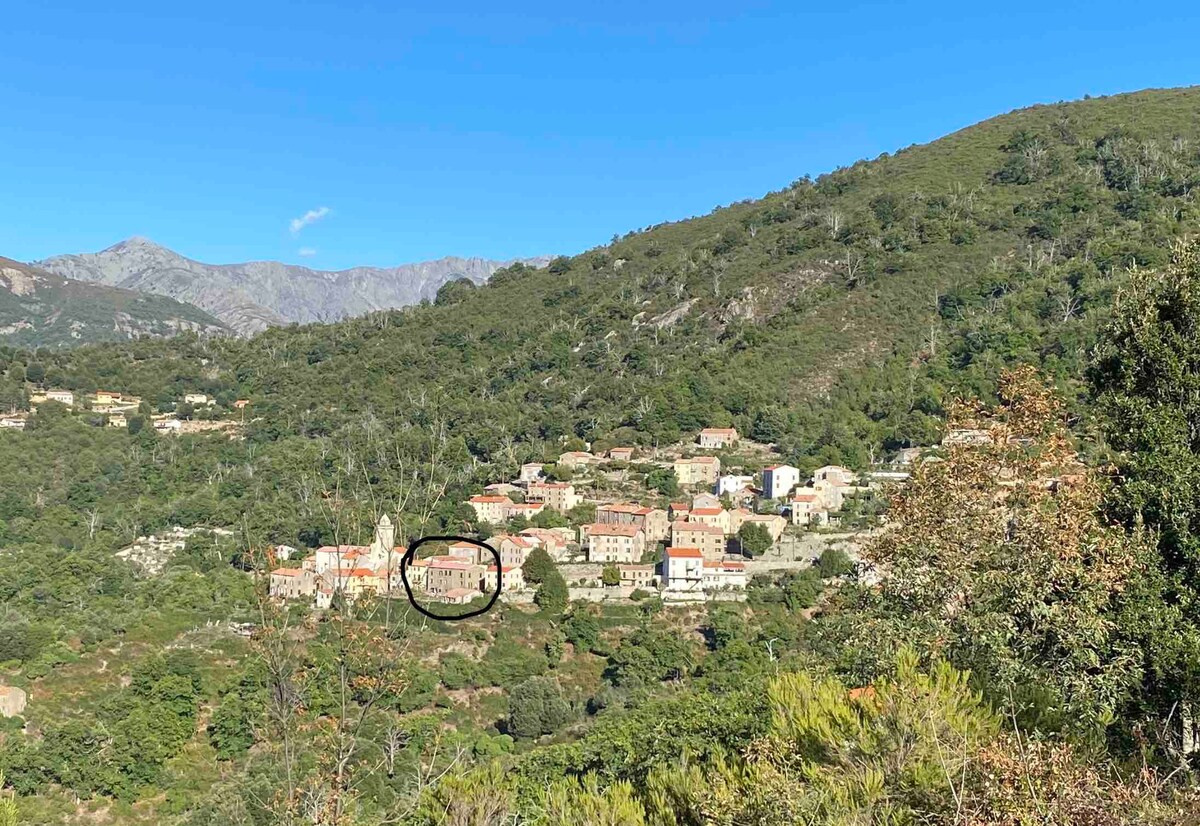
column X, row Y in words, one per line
column 310, row 217
column 307, row 252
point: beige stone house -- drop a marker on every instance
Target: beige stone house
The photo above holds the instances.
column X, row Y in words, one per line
column 621, row 454
column 715, row 438
column 717, row 517
column 558, row 496
column 636, row 576
column 550, row 540
column 615, row 543
column 576, row 459
column 774, row 523
column 513, row 550
column 807, row 508
column 292, row 583
column 708, row 538
column 698, row 470
column 447, row 573
column 491, row 509
column 653, row 521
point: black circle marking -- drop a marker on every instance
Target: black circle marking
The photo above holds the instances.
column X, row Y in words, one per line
column 410, row 555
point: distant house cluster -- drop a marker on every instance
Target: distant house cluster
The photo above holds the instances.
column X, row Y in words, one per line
column 460, row 574
column 117, row 408
column 691, row 546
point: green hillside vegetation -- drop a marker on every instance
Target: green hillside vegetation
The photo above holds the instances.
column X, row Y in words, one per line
column 1030, row 678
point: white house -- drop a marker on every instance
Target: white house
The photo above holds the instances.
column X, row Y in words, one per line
column 683, row 569
column 531, row 471
column 61, row 396
column 724, row 575
column 731, row 484
column 778, row 480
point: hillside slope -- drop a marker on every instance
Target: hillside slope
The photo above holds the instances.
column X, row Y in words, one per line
column 253, row 296
column 38, row 308
column 836, row 317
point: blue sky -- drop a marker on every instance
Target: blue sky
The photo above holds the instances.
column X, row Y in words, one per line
column 462, row 129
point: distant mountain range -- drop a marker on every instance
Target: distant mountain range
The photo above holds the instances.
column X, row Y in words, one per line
column 39, row 308
column 250, row 297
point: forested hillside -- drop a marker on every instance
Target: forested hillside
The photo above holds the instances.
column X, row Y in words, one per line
column 838, row 320
column 38, row 309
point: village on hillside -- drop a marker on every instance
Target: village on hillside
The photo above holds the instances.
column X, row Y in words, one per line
column 190, row 413
column 673, row 523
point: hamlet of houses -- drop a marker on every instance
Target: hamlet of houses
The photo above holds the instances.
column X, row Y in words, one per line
column 116, row 409
column 686, row 549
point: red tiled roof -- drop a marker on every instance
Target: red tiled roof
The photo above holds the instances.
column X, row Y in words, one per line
column 696, row 526
column 707, row 511
column 361, row 572
column 719, row 431
column 287, row 572
column 490, row 499
column 684, row 553
column 805, row 497
column 613, row 530
column 725, row 564
column 449, row 563
column 519, row 541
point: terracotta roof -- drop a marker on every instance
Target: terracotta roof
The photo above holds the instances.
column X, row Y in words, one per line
column 450, row 563
column 613, row 530
column 719, row 431
column 456, row 593
column 805, row 497
column 470, row 545
column 698, row 460
column 684, row 553
column 341, row 549
column 287, row 572
column 725, row 564
column 519, row 541
column 490, row 499
column 707, row 511
column 550, row 485
column 696, row 526
column 362, row 572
